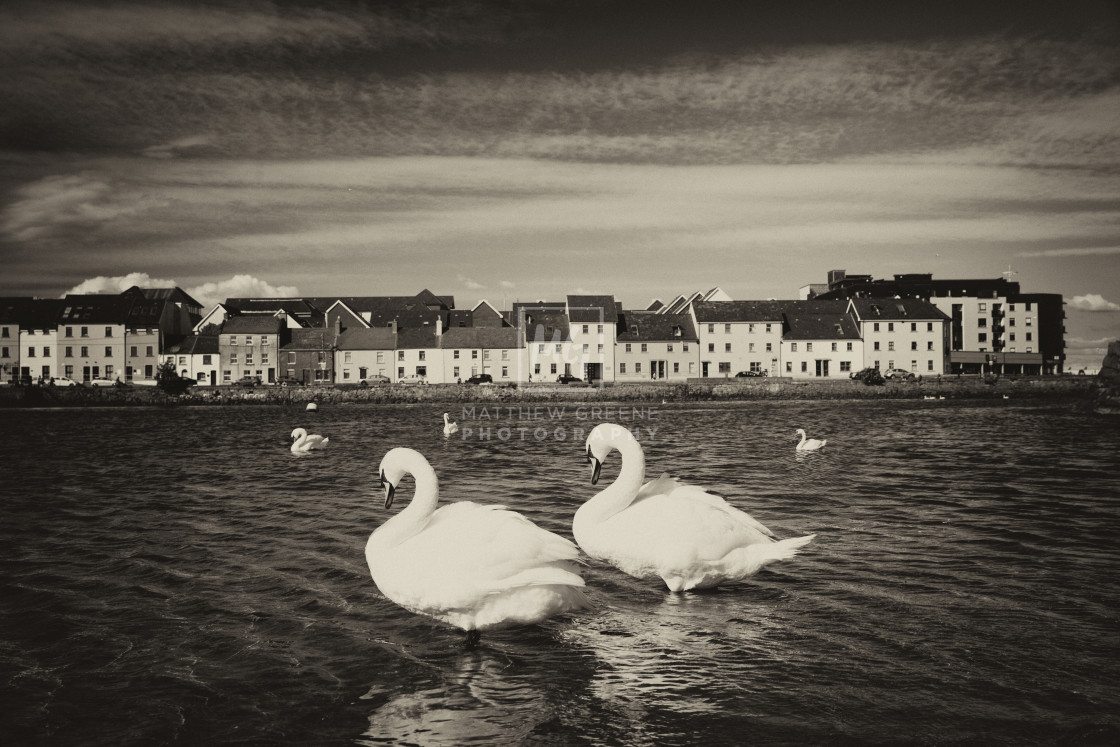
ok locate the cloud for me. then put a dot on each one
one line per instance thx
(55, 205)
(102, 284)
(239, 286)
(506, 284)
(1092, 302)
(471, 284)
(1088, 251)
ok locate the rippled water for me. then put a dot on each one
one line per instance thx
(178, 576)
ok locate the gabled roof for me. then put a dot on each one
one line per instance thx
(417, 338)
(480, 337)
(95, 308)
(14, 308)
(655, 305)
(196, 345)
(546, 326)
(819, 320)
(40, 313)
(896, 309)
(374, 338)
(252, 325)
(647, 326)
(310, 339)
(460, 318)
(593, 309)
(739, 311)
(174, 295)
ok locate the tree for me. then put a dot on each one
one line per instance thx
(169, 380)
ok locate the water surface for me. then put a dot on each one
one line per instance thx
(177, 576)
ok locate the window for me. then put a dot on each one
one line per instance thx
(875, 327)
(845, 365)
(684, 346)
(422, 356)
(380, 358)
(645, 347)
(505, 372)
(69, 331)
(849, 347)
(600, 329)
(725, 367)
(248, 357)
(1028, 321)
(834, 347)
(4, 352)
(793, 347)
(206, 360)
(929, 345)
(600, 347)
(537, 368)
(585, 329)
(558, 347)
(628, 347)
(1030, 336)
(876, 345)
(914, 345)
(505, 355)
(982, 337)
(669, 348)
(727, 347)
(586, 348)
(132, 352)
(248, 341)
(808, 347)
(767, 328)
(711, 347)
(1011, 322)
(804, 366)
(85, 351)
(982, 322)
(266, 341)
(750, 347)
(347, 357)
(930, 367)
(727, 329)
(151, 351)
(474, 355)
(890, 345)
(182, 360)
(789, 366)
(108, 351)
(31, 352)
(455, 355)
(485, 355)
(232, 339)
(913, 326)
(929, 326)
(233, 359)
(676, 367)
(750, 329)
(85, 331)
(540, 348)
(108, 331)
(400, 355)
(637, 367)
(553, 367)
(711, 329)
(69, 352)
(983, 307)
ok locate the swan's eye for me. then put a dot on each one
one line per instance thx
(589, 455)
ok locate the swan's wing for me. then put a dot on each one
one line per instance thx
(489, 546)
(675, 490)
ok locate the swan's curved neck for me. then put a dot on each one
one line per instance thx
(624, 489)
(416, 514)
(803, 439)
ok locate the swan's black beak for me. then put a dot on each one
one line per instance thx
(596, 465)
(390, 490)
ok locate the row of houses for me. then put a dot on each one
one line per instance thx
(828, 333)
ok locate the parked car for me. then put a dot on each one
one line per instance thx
(869, 376)
(288, 381)
(416, 379)
(899, 373)
(63, 381)
(101, 382)
(481, 379)
(748, 374)
(248, 381)
(374, 380)
(569, 379)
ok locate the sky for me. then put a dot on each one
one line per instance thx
(529, 149)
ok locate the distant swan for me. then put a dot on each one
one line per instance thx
(449, 426)
(809, 444)
(477, 567)
(682, 534)
(304, 442)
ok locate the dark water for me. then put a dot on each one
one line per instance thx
(179, 577)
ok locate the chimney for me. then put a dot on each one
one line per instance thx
(393, 327)
(439, 326)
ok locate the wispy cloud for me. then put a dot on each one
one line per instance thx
(1088, 251)
(469, 283)
(1092, 302)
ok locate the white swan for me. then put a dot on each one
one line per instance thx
(304, 442)
(809, 444)
(449, 426)
(682, 534)
(477, 567)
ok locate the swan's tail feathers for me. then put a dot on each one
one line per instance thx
(760, 555)
(323, 445)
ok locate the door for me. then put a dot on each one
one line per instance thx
(822, 367)
(213, 378)
(704, 369)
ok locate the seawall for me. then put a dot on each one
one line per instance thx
(1051, 387)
